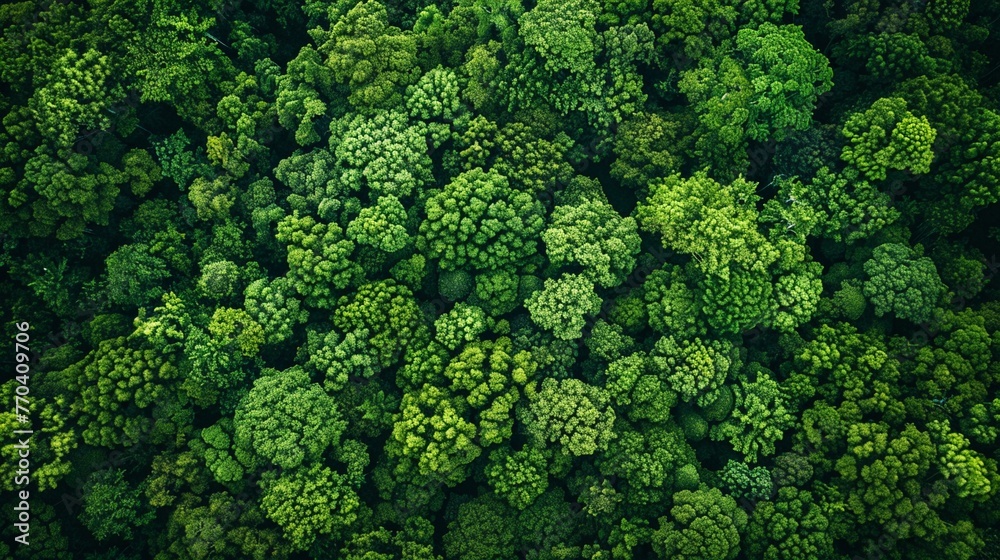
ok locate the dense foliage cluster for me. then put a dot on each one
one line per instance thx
(498, 279)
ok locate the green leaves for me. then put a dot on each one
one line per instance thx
(67, 193)
(972, 474)
(317, 258)
(111, 507)
(792, 527)
(271, 304)
(887, 136)
(693, 367)
(519, 476)
(758, 420)
(702, 524)
(375, 59)
(714, 223)
(478, 220)
(434, 96)
(72, 99)
(309, 502)
(573, 414)
(385, 154)
(287, 419)
(767, 88)
(482, 531)
(562, 306)
(494, 279)
(787, 75)
(464, 323)
(902, 282)
(593, 236)
(432, 433)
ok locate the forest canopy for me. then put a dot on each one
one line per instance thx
(500, 279)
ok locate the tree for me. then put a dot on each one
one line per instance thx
(481, 531)
(382, 226)
(287, 419)
(758, 420)
(594, 237)
(464, 323)
(412, 542)
(571, 413)
(118, 380)
(489, 375)
(135, 277)
(892, 55)
(845, 210)
(211, 367)
(903, 282)
(67, 192)
(566, 63)
(309, 502)
(950, 372)
(787, 75)
(341, 359)
(694, 368)
(647, 146)
(672, 306)
(454, 285)
(172, 62)
(972, 474)
(564, 303)
(888, 136)
(72, 98)
(227, 459)
(881, 468)
(311, 177)
(434, 96)
(389, 312)
(317, 258)
(111, 507)
(430, 431)
(520, 477)
(702, 524)
(271, 303)
(737, 299)
(640, 389)
(791, 527)
(744, 483)
(496, 291)
(51, 443)
(843, 365)
(180, 164)
(212, 198)
(769, 87)
(715, 224)
(608, 341)
(219, 279)
(385, 154)
(479, 221)
(376, 60)
(549, 526)
(648, 461)
(300, 93)
(798, 287)
(533, 158)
